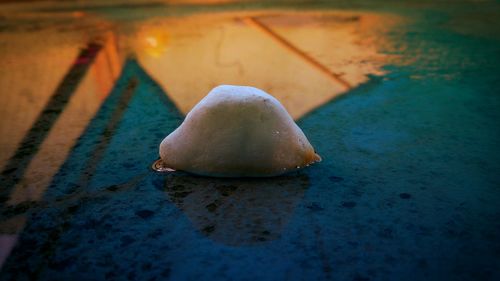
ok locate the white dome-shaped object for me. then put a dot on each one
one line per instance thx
(237, 131)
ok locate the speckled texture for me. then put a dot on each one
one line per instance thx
(408, 188)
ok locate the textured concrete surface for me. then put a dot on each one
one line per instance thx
(408, 188)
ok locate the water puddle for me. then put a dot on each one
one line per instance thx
(159, 166)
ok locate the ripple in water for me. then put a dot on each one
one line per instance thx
(158, 166)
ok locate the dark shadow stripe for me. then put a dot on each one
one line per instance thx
(17, 164)
(107, 135)
(98, 152)
(94, 142)
(81, 165)
(92, 146)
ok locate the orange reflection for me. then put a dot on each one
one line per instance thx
(107, 66)
(287, 45)
(152, 41)
(82, 106)
(210, 2)
(281, 56)
(22, 101)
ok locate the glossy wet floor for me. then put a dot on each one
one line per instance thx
(408, 187)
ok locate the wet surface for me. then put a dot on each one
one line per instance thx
(400, 100)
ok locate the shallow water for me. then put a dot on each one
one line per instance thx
(408, 185)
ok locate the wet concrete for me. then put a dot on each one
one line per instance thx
(408, 186)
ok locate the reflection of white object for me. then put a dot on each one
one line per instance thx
(237, 131)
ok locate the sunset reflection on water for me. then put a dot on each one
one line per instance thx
(188, 56)
(304, 59)
(208, 50)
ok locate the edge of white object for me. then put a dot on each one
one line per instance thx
(237, 131)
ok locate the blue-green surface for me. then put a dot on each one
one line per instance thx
(408, 188)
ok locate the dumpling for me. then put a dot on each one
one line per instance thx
(237, 131)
